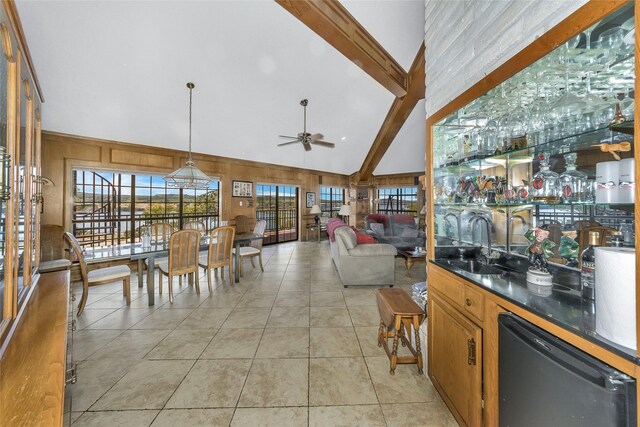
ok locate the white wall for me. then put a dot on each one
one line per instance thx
(465, 40)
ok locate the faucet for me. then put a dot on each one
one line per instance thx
(458, 222)
(471, 227)
(522, 220)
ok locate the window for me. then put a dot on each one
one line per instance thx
(331, 199)
(398, 200)
(278, 205)
(109, 208)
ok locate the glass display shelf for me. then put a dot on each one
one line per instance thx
(587, 140)
(533, 204)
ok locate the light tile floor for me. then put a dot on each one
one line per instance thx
(287, 347)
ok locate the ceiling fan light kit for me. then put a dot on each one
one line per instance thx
(306, 138)
(189, 176)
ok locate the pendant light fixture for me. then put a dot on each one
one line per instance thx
(189, 176)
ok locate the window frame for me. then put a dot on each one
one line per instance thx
(141, 188)
(331, 200)
(400, 198)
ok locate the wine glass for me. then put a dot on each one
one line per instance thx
(611, 40)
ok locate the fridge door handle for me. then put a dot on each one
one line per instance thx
(471, 351)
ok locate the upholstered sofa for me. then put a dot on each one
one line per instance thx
(399, 230)
(362, 265)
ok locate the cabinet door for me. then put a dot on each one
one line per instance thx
(455, 360)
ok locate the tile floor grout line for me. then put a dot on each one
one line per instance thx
(252, 283)
(309, 371)
(235, 409)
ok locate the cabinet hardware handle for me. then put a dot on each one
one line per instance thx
(73, 297)
(72, 374)
(471, 351)
(468, 302)
(73, 325)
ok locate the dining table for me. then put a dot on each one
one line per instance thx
(159, 249)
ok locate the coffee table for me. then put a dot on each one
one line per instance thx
(410, 257)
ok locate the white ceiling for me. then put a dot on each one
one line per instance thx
(118, 71)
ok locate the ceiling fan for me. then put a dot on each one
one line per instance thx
(306, 138)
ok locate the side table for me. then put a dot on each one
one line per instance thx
(398, 313)
(315, 227)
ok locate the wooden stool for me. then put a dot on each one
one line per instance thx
(398, 312)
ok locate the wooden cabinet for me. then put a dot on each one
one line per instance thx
(455, 360)
(33, 321)
(460, 310)
(20, 194)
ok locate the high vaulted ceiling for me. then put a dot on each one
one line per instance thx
(118, 71)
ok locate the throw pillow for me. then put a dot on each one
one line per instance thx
(377, 228)
(410, 232)
(365, 239)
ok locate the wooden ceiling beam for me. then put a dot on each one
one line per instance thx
(397, 115)
(331, 21)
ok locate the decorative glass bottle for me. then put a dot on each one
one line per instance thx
(573, 182)
(545, 184)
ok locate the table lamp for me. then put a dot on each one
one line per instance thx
(345, 210)
(315, 209)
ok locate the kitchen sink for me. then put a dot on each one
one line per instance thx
(474, 266)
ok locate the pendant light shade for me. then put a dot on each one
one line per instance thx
(189, 176)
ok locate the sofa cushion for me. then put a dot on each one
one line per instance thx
(377, 228)
(378, 218)
(347, 236)
(410, 232)
(373, 250)
(363, 239)
(402, 219)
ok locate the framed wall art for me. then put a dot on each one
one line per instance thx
(311, 199)
(242, 189)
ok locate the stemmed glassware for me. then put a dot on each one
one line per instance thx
(589, 77)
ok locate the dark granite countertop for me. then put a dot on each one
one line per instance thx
(564, 307)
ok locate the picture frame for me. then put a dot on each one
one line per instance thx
(241, 188)
(311, 199)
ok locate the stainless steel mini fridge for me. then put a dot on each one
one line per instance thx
(544, 381)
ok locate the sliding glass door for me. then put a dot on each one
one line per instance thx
(278, 205)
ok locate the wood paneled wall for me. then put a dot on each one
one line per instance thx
(61, 153)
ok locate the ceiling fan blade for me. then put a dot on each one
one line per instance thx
(324, 143)
(307, 146)
(289, 142)
(316, 136)
(287, 136)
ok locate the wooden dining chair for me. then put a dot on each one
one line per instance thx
(160, 231)
(254, 249)
(242, 224)
(195, 225)
(184, 247)
(219, 253)
(99, 276)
